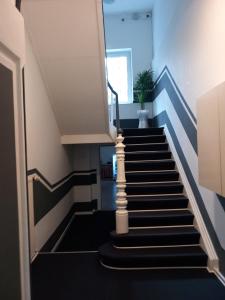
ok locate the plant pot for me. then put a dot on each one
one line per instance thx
(143, 118)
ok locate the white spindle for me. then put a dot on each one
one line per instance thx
(121, 200)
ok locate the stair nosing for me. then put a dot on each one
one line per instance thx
(146, 195)
(143, 136)
(148, 151)
(171, 253)
(157, 246)
(163, 226)
(154, 182)
(152, 171)
(150, 210)
(170, 210)
(164, 143)
(152, 268)
(149, 160)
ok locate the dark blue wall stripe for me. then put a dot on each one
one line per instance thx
(181, 96)
(159, 121)
(162, 119)
(165, 83)
(222, 201)
(36, 172)
(45, 200)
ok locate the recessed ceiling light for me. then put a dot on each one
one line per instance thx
(109, 1)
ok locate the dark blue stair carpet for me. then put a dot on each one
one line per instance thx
(147, 147)
(191, 256)
(156, 237)
(146, 155)
(152, 176)
(157, 202)
(160, 218)
(167, 164)
(144, 139)
(154, 188)
(142, 131)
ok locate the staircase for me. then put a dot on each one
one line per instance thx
(161, 229)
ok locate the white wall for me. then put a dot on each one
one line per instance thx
(189, 39)
(131, 34)
(44, 150)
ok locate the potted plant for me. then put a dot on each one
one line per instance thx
(143, 87)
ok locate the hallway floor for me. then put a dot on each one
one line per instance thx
(86, 232)
(68, 275)
(64, 276)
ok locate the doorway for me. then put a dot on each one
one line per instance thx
(108, 177)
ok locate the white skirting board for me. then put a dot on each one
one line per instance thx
(220, 277)
(206, 243)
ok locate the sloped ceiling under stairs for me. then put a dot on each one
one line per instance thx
(68, 41)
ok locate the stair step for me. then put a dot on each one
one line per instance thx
(147, 155)
(161, 232)
(142, 131)
(152, 176)
(167, 164)
(154, 188)
(157, 202)
(173, 257)
(156, 237)
(144, 139)
(160, 218)
(146, 147)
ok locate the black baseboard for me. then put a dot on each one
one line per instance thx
(58, 232)
(45, 200)
(76, 207)
(85, 206)
(131, 123)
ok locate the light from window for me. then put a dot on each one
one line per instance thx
(119, 69)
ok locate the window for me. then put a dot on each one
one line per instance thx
(119, 66)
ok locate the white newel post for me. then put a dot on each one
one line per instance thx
(121, 196)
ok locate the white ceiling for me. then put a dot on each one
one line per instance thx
(128, 6)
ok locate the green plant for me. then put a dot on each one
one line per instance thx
(143, 87)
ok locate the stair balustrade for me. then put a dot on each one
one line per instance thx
(121, 196)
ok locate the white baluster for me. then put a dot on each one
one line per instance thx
(121, 200)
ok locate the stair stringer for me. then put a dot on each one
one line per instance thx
(205, 242)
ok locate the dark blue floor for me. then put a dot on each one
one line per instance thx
(88, 232)
(81, 277)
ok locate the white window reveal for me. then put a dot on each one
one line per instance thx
(120, 73)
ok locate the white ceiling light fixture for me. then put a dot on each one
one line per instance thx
(128, 6)
(109, 1)
(136, 16)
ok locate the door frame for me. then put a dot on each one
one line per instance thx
(12, 56)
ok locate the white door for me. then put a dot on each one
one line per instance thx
(14, 254)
